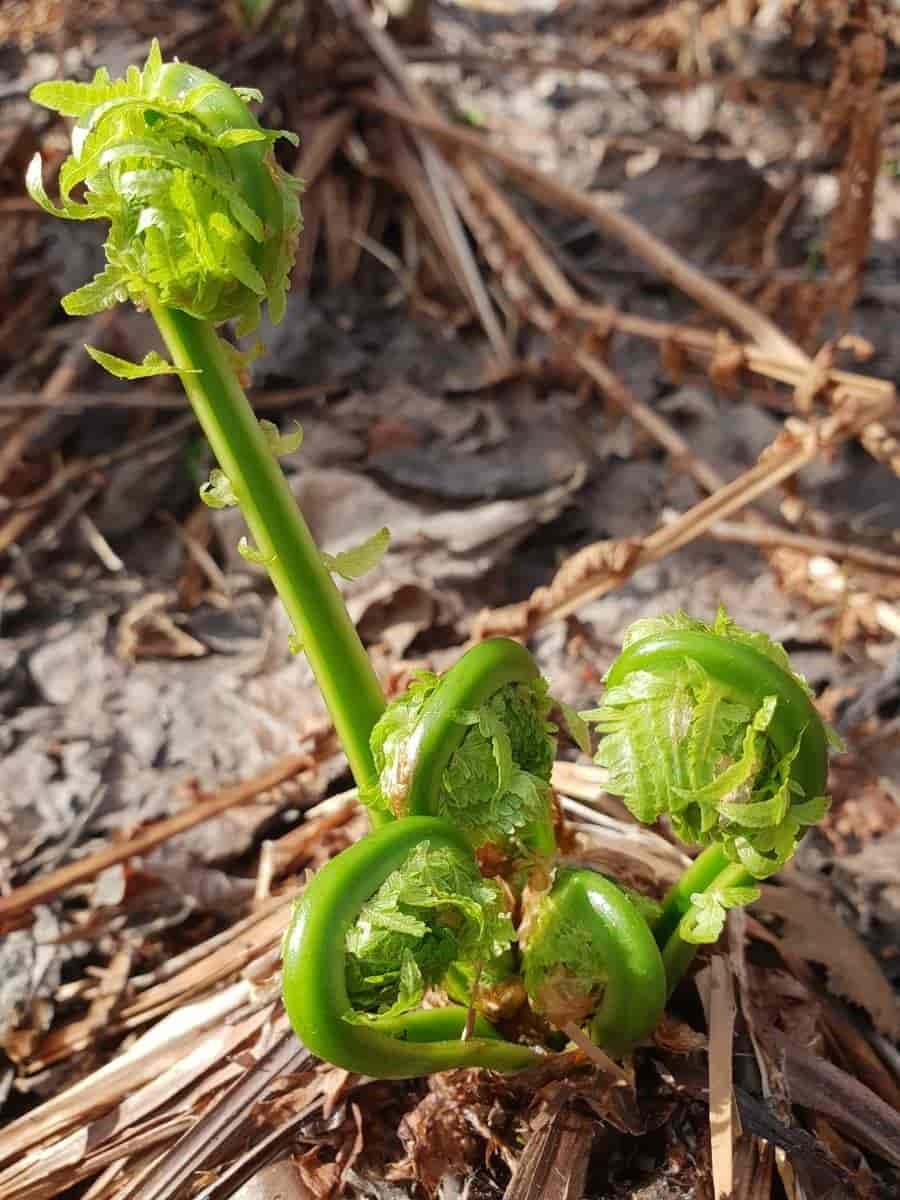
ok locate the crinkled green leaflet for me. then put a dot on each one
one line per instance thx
(315, 974)
(434, 912)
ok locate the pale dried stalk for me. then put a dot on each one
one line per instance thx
(770, 352)
(232, 1111)
(510, 247)
(770, 538)
(519, 245)
(717, 989)
(224, 962)
(435, 166)
(320, 145)
(519, 291)
(670, 265)
(602, 566)
(60, 382)
(157, 1050)
(164, 1096)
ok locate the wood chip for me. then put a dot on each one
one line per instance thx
(554, 1163)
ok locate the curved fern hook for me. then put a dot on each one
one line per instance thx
(439, 740)
(588, 953)
(474, 747)
(315, 970)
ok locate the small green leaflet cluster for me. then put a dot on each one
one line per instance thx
(393, 745)
(151, 364)
(704, 921)
(686, 745)
(496, 786)
(218, 492)
(168, 156)
(431, 914)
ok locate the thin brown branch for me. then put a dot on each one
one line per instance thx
(667, 262)
(21, 900)
(771, 537)
(602, 566)
(138, 397)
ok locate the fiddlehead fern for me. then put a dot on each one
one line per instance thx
(202, 229)
(704, 723)
(379, 923)
(201, 216)
(709, 725)
(588, 956)
(474, 750)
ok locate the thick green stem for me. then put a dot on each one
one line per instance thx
(338, 659)
(711, 869)
(697, 878)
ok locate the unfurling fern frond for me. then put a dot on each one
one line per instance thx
(201, 216)
(709, 725)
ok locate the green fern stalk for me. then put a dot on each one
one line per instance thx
(285, 545)
(203, 226)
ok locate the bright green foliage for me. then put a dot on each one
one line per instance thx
(575, 725)
(358, 560)
(250, 553)
(432, 913)
(201, 216)
(685, 744)
(705, 919)
(496, 785)
(151, 364)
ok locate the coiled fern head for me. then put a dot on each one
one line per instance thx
(708, 724)
(201, 216)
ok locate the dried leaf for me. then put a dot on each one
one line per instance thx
(812, 931)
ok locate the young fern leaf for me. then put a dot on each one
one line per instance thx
(251, 554)
(282, 443)
(389, 917)
(575, 726)
(359, 560)
(704, 921)
(475, 748)
(217, 492)
(151, 365)
(432, 913)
